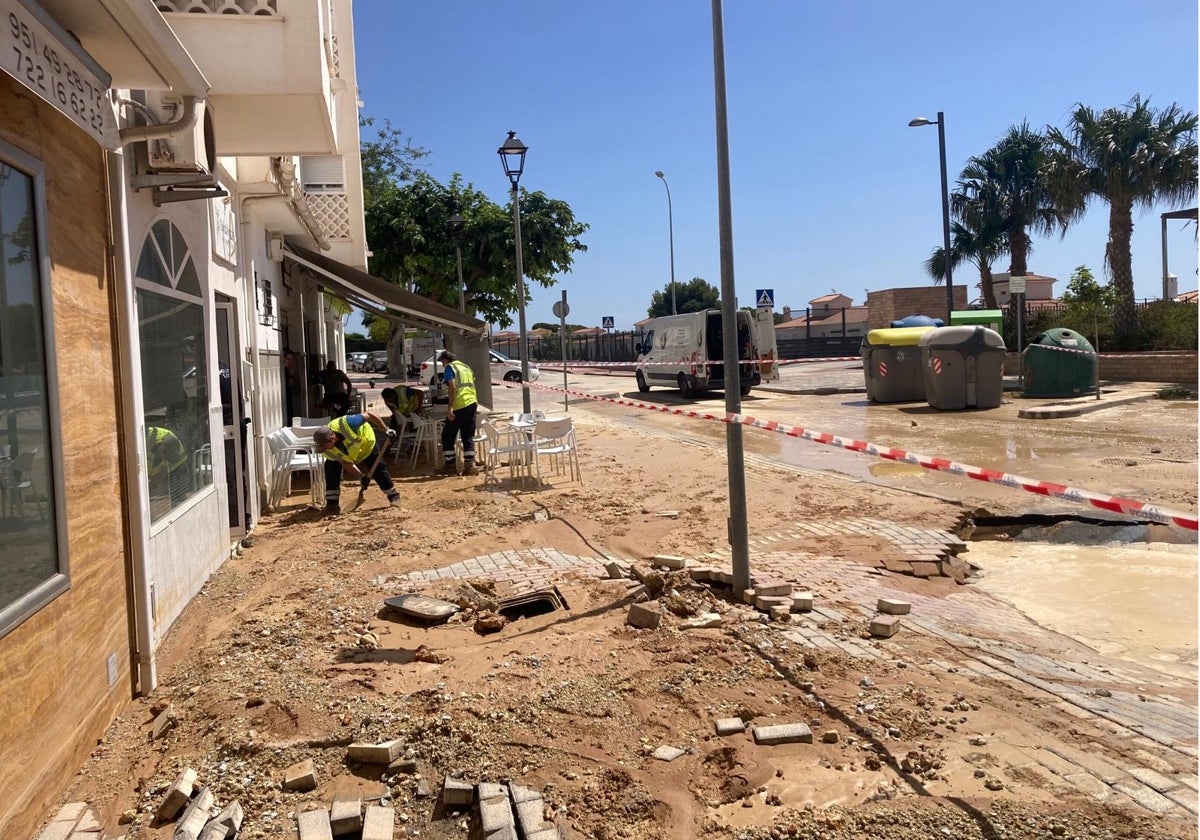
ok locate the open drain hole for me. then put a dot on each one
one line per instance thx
(1070, 529)
(531, 604)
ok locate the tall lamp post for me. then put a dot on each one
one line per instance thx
(512, 155)
(941, 124)
(671, 235)
(456, 225)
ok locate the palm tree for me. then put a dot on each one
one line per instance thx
(979, 245)
(1129, 157)
(1004, 190)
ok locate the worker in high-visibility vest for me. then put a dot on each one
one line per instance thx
(167, 465)
(460, 414)
(349, 445)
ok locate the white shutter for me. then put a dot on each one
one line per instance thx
(322, 174)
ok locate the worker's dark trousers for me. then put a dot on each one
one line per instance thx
(462, 425)
(333, 477)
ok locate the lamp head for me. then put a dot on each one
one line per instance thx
(456, 222)
(658, 174)
(512, 155)
(921, 121)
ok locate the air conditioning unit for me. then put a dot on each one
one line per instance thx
(191, 150)
(275, 248)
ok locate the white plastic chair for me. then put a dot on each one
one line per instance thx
(514, 445)
(294, 457)
(310, 422)
(427, 434)
(556, 440)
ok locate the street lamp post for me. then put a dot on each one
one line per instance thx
(671, 236)
(456, 225)
(512, 155)
(941, 124)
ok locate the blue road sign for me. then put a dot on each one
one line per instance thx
(608, 322)
(765, 298)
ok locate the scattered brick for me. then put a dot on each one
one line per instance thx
(802, 602)
(729, 725)
(345, 817)
(384, 753)
(520, 793)
(314, 825)
(669, 561)
(885, 626)
(457, 792)
(773, 587)
(177, 796)
(785, 733)
(379, 823)
(490, 790)
(668, 753)
(496, 814)
(225, 824)
(195, 817)
(531, 816)
(300, 776)
(748, 596)
(926, 569)
(646, 616)
(782, 612)
(766, 602)
(892, 606)
(615, 570)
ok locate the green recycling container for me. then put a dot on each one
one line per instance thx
(1059, 363)
(892, 364)
(990, 318)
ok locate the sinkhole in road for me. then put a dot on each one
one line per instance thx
(1062, 529)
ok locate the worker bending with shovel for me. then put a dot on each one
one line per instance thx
(348, 443)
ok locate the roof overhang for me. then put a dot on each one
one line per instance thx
(1181, 214)
(381, 298)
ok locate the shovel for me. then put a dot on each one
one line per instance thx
(365, 482)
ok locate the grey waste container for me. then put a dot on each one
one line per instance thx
(963, 366)
(892, 364)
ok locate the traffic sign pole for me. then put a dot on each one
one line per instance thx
(562, 310)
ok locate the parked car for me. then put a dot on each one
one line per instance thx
(376, 362)
(502, 368)
(355, 361)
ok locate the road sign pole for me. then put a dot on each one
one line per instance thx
(562, 311)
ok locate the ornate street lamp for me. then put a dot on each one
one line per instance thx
(512, 155)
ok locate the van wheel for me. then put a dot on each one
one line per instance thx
(643, 385)
(685, 388)
(512, 376)
(746, 391)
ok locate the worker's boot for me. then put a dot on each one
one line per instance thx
(469, 468)
(332, 509)
(448, 468)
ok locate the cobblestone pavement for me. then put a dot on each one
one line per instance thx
(981, 636)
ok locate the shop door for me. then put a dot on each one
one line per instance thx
(233, 417)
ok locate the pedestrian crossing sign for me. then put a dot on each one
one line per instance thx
(608, 322)
(766, 298)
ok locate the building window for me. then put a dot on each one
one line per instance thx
(32, 545)
(175, 389)
(322, 174)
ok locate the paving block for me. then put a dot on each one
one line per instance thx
(669, 561)
(225, 824)
(668, 753)
(885, 626)
(748, 596)
(702, 621)
(893, 606)
(496, 814)
(765, 602)
(926, 569)
(900, 567)
(520, 793)
(87, 822)
(177, 796)
(531, 816)
(457, 792)
(507, 832)
(781, 613)
(802, 602)
(773, 588)
(615, 570)
(71, 811)
(490, 790)
(550, 833)
(195, 816)
(408, 766)
(87, 835)
(314, 825)
(300, 776)
(729, 726)
(57, 830)
(646, 616)
(384, 753)
(1153, 778)
(379, 823)
(345, 817)
(1089, 785)
(1148, 798)
(785, 733)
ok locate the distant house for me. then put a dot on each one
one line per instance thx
(828, 316)
(586, 331)
(1037, 287)
(1187, 297)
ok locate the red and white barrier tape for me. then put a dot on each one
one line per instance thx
(1061, 349)
(557, 365)
(1115, 504)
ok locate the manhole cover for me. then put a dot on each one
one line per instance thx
(1124, 462)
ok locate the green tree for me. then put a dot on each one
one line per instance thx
(412, 243)
(388, 160)
(980, 246)
(693, 296)
(1129, 156)
(1083, 289)
(1004, 190)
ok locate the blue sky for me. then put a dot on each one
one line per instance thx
(831, 189)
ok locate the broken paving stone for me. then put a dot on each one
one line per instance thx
(993, 784)
(195, 817)
(300, 776)
(378, 822)
(424, 654)
(773, 588)
(314, 825)
(490, 790)
(520, 793)
(669, 514)
(830, 736)
(408, 766)
(702, 621)
(384, 753)
(225, 824)
(669, 561)
(785, 733)
(885, 627)
(668, 753)
(615, 570)
(802, 602)
(164, 722)
(457, 792)
(177, 796)
(893, 606)
(729, 726)
(646, 616)
(781, 613)
(345, 817)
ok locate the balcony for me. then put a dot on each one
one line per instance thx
(276, 97)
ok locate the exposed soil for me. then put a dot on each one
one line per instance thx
(288, 654)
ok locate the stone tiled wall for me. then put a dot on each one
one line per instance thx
(1150, 367)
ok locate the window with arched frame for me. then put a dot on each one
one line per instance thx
(175, 388)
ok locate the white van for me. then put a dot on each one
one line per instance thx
(686, 352)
